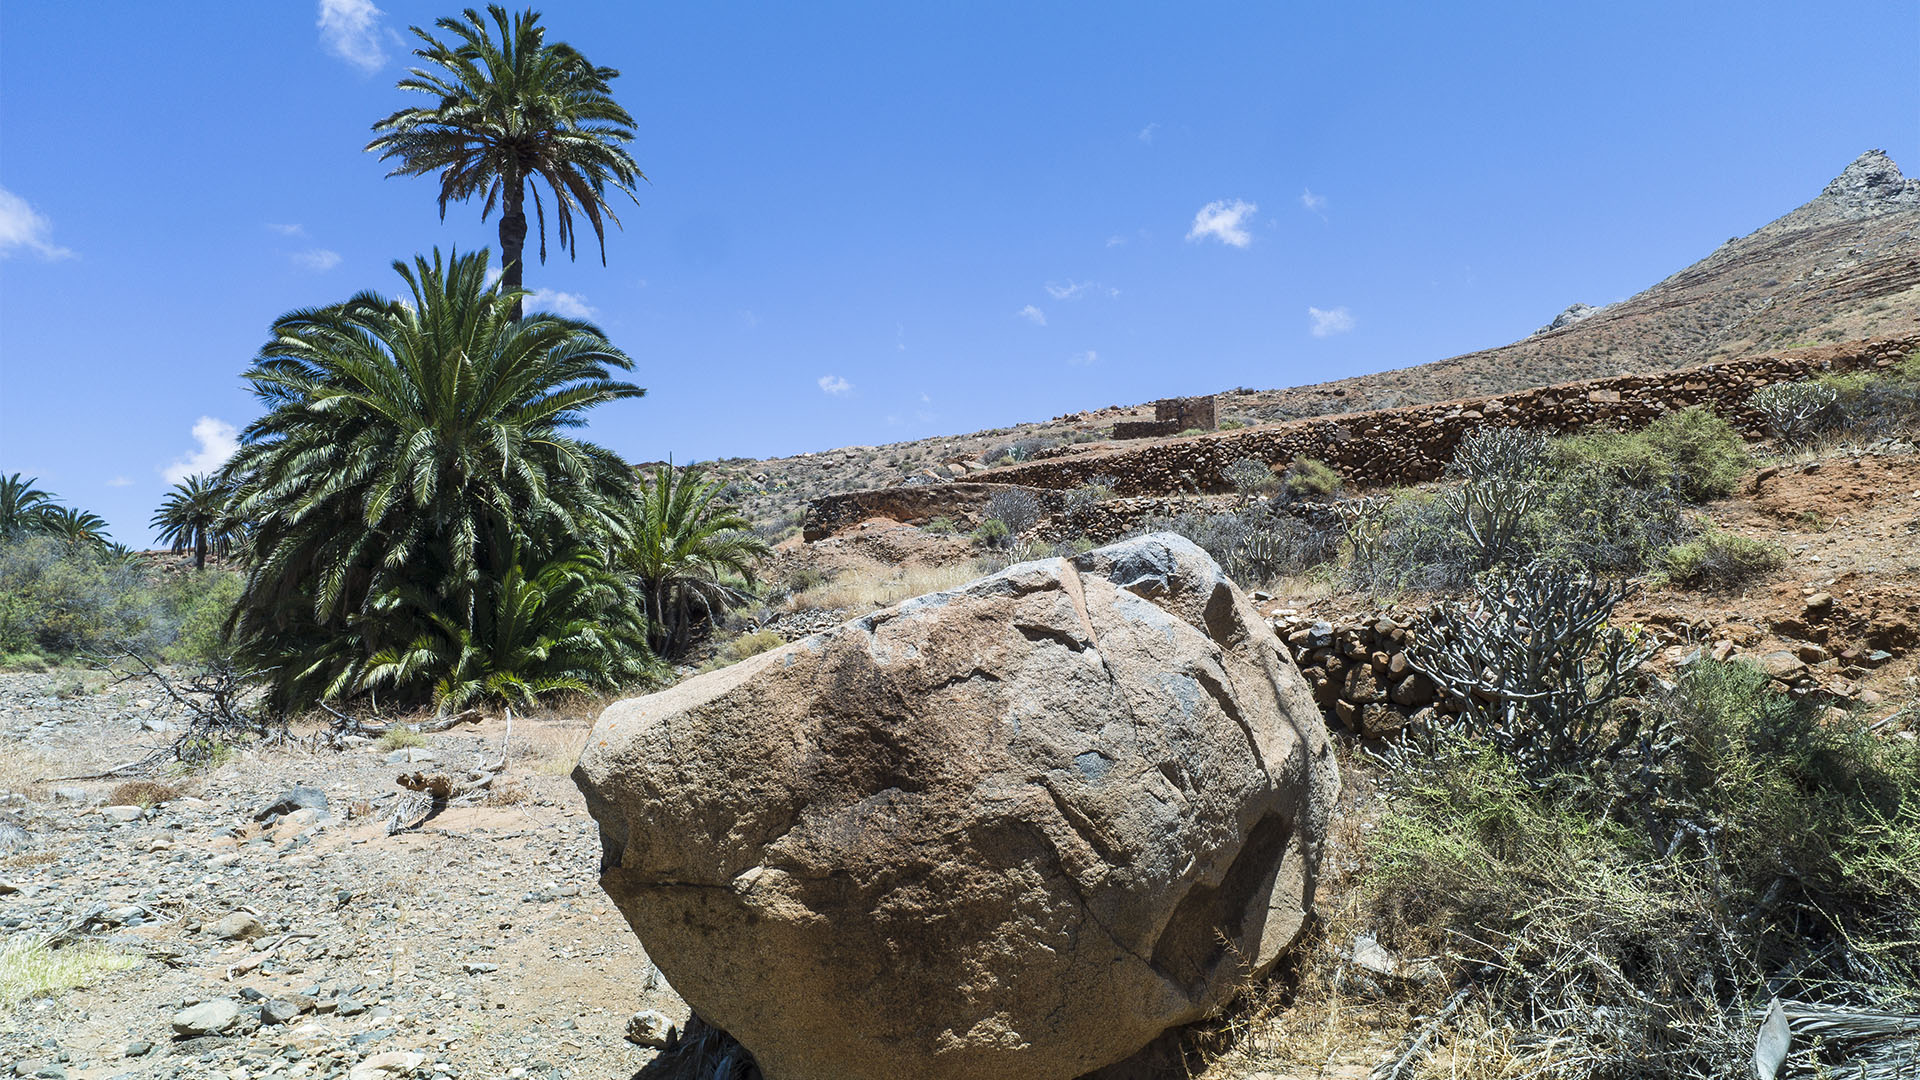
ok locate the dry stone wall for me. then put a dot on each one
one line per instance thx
(916, 504)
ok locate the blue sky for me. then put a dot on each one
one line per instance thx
(873, 222)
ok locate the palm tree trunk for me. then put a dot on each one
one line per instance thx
(200, 549)
(513, 235)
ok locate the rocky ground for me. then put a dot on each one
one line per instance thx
(273, 940)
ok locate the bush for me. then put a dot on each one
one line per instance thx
(1720, 561)
(1879, 402)
(1591, 520)
(1500, 453)
(1088, 494)
(1693, 451)
(1311, 478)
(993, 533)
(62, 599)
(941, 526)
(1535, 666)
(1250, 476)
(1797, 411)
(1257, 546)
(1016, 508)
(1741, 848)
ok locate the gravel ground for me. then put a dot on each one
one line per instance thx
(478, 941)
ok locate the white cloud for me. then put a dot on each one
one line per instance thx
(1146, 133)
(1033, 315)
(564, 304)
(319, 260)
(288, 230)
(350, 30)
(1224, 220)
(218, 440)
(1074, 290)
(1116, 241)
(835, 386)
(21, 226)
(120, 481)
(1084, 359)
(1312, 202)
(1328, 323)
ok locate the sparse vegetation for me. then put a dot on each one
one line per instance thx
(1720, 561)
(31, 967)
(1311, 478)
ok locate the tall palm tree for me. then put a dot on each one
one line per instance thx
(23, 507)
(685, 543)
(74, 526)
(507, 113)
(197, 515)
(409, 449)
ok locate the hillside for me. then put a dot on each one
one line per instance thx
(1844, 266)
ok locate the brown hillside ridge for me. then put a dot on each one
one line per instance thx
(1845, 266)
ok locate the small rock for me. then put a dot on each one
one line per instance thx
(298, 798)
(387, 1066)
(278, 1011)
(649, 1027)
(238, 926)
(207, 1018)
(408, 755)
(138, 1049)
(122, 813)
(479, 968)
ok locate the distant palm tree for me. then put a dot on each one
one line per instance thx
(507, 113)
(23, 507)
(197, 515)
(410, 450)
(685, 543)
(75, 526)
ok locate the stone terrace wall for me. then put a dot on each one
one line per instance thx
(1413, 444)
(915, 505)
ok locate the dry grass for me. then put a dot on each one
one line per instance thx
(858, 590)
(145, 794)
(23, 771)
(29, 969)
(400, 737)
(553, 749)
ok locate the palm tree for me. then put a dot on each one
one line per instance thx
(505, 114)
(74, 526)
(23, 507)
(570, 626)
(195, 515)
(410, 449)
(684, 545)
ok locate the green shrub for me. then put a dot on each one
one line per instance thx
(1745, 847)
(1311, 478)
(1693, 451)
(61, 599)
(1879, 402)
(1720, 561)
(941, 526)
(202, 602)
(752, 644)
(993, 533)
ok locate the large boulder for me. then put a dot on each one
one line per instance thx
(1008, 832)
